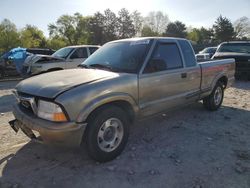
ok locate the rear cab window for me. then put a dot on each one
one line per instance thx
(188, 53)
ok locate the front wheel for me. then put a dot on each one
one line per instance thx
(107, 133)
(215, 99)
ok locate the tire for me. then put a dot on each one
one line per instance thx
(1, 73)
(215, 99)
(107, 133)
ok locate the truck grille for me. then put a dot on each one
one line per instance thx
(27, 102)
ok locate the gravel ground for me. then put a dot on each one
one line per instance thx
(190, 147)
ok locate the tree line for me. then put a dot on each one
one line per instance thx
(106, 26)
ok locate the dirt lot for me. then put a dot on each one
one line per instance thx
(190, 147)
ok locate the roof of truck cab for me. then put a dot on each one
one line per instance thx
(247, 41)
(147, 38)
(80, 46)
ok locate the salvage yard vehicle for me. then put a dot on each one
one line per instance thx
(12, 61)
(206, 53)
(65, 58)
(122, 81)
(240, 51)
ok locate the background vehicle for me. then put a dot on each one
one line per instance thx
(11, 62)
(123, 80)
(240, 51)
(206, 53)
(65, 58)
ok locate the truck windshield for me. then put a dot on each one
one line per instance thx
(123, 56)
(63, 52)
(235, 47)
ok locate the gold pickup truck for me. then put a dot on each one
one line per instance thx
(123, 80)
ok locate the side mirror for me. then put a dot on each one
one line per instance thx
(158, 64)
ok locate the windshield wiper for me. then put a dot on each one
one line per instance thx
(101, 66)
(83, 66)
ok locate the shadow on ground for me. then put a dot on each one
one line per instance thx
(186, 148)
(5, 85)
(242, 85)
(6, 103)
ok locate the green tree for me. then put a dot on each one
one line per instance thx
(201, 36)
(110, 24)
(223, 29)
(126, 29)
(194, 35)
(82, 30)
(176, 29)
(96, 28)
(56, 43)
(72, 29)
(103, 27)
(9, 36)
(65, 27)
(148, 32)
(32, 37)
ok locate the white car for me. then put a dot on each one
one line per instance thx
(206, 53)
(65, 58)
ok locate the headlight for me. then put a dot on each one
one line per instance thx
(50, 111)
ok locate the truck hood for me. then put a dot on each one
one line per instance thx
(50, 85)
(41, 59)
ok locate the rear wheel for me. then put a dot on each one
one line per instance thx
(215, 99)
(107, 133)
(1, 73)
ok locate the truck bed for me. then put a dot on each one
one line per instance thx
(213, 69)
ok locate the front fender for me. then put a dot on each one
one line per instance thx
(109, 98)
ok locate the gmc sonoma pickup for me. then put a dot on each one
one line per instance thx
(123, 80)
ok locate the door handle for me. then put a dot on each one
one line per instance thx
(184, 75)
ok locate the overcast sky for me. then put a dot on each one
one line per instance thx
(195, 13)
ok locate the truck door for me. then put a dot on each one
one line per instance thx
(76, 58)
(163, 82)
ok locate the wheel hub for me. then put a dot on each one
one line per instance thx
(218, 96)
(110, 134)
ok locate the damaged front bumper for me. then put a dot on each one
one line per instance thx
(43, 131)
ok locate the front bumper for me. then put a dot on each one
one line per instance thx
(64, 134)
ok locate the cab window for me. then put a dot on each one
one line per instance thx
(187, 53)
(79, 53)
(165, 57)
(92, 50)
